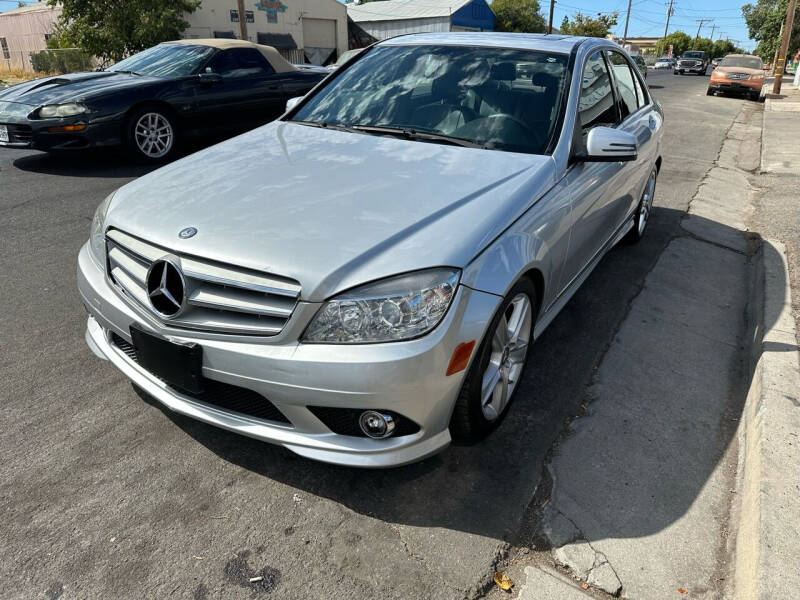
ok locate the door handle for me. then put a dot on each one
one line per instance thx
(652, 122)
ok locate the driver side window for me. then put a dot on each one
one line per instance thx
(596, 105)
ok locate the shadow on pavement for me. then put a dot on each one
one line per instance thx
(485, 488)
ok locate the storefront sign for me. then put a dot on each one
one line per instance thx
(272, 8)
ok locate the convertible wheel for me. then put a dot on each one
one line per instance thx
(644, 209)
(497, 367)
(152, 135)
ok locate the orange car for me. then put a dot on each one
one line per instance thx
(738, 74)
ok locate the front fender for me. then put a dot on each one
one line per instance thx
(537, 241)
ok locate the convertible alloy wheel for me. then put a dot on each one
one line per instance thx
(153, 135)
(497, 367)
(644, 209)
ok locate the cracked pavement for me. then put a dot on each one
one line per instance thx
(107, 495)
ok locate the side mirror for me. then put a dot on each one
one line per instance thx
(292, 102)
(209, 78)
(606, 144)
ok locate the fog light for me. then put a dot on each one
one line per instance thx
(376, 425)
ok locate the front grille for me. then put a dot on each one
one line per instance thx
(219, 298)
(219, 394)
(344, 421)
(738, 76)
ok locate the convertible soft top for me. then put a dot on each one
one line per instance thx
(280, 64)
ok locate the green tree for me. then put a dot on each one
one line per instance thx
(114, 30)
(521, 16)
(589, 26)
(723, 47)
(704, 44)
(680, 41)
(764, 20)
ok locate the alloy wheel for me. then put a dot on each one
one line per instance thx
(154, 135)
(647, 202)
(508, 351)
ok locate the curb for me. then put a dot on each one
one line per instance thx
(767, 551)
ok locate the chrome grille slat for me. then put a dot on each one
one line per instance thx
(219, 298)
(233, 299)
(134, 268)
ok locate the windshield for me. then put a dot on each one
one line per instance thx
(745, 62)
(692, 55)
(165, 60)
(490, 97)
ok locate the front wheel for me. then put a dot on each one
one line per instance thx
(709, 92)
(497, 367)
(642, 214)
(152, 134)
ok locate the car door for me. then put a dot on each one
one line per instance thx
(598, 188)
(639, 119)
(248, 92)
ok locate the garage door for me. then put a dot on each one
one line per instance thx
(319, 39)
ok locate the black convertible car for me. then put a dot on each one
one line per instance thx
(150, 100)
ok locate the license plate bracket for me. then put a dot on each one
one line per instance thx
(4, 133)
(178, 365)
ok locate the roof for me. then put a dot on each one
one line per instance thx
(280, 64)
(396, 10)
(34, 7)
(494, 39)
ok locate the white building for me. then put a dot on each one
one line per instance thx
(395, 17)
(302, 30)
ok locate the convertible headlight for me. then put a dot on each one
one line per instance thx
(97, 237)
(393, 309)
(62, 110)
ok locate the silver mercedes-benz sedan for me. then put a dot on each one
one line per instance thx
(360, 280)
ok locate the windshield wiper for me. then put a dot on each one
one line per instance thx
(413, 134)
(324, 125)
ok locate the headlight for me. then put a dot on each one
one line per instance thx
(757, 77)
(97, 237)
(393, 309)
(62, 110)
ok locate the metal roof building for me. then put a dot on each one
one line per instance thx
(395, 17)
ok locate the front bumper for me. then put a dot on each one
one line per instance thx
(405, 377)
(36, 134)
(690, 69)
(734, 86)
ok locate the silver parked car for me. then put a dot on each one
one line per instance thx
(361, 279)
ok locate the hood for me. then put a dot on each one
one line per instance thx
(740, 70)
(332, 209)
(69, 88)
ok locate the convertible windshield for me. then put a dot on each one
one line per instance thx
(165, 60)
(744, 62)
(487, 97)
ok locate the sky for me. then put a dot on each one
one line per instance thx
(648, 17)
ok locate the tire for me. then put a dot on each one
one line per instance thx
(473, 419)
(709, 92)
(151, 134)
(642, 215)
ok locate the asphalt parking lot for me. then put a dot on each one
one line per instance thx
(106, 494)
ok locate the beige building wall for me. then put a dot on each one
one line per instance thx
(310, 22)
(24, 30)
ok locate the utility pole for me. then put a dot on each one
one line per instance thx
(713, 27)
(697, 37)
(670, 10)
(787, 33)
(627, 18)
(777, 49)
(550, 20)
(242, 20)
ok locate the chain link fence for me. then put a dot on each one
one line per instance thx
(50, 61)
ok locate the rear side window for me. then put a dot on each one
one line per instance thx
(240, 62)
(596, 103)
(625, 82)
